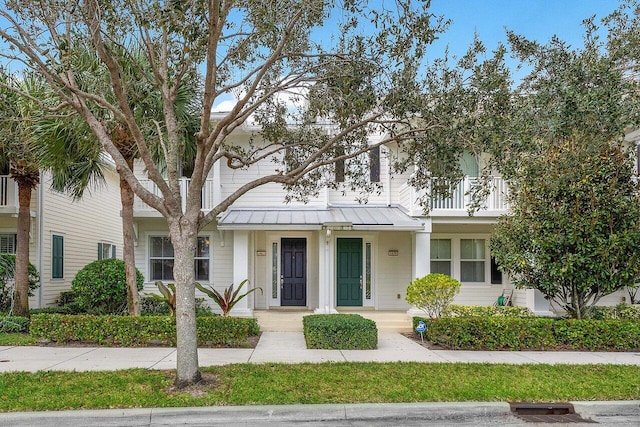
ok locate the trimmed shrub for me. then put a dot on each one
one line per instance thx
(532, 333)
(67, 302)
(52, 310)
(141, 331)
(340, 331)
(7, 270)
(101, 287)
(620, 311)
(455, 310)
(14, 324)
(150, 306)
(432, 293)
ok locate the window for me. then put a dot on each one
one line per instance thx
(441, 256)
(496, 274)
(469, 164)
(472, 260)
(57, 257)
(374, 164)
(7, 243)
(161, 259)
(106, 251)
(202, 259)
(367, 270)
(358, 162)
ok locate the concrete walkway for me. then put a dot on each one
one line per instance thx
(284, 347)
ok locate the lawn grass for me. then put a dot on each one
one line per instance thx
(254, 384)
(16, 339)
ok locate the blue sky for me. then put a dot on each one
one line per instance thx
(535, 19)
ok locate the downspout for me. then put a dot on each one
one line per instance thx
(388, 157)
(40, 236)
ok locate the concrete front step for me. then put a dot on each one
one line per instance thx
(291, 321)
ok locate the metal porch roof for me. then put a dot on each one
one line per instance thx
(346, 217)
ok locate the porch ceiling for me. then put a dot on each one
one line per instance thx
(379, 218)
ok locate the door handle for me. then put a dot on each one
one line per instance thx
(281, 281)
(360, 282)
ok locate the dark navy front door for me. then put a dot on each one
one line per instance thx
(293, 277)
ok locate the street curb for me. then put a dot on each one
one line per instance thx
(221, 415)
(272, 413)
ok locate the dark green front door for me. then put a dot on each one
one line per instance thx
(349, 268)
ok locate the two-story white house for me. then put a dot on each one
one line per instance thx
(65, 235)
(334, 253)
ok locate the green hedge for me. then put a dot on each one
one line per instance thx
(138, 331)
(340, 331)
(532, 333)
(487, 311)
(14, 324)
(620, 311)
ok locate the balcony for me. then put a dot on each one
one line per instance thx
(8, 195)
(457, 204)
(141, 209)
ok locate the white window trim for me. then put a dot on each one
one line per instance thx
(148, 235)
(112, 254)
(456, 259)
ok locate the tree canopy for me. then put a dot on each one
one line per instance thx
(574, 227)
(350, 69)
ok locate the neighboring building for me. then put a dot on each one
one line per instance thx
(65, 235)
(332, 252)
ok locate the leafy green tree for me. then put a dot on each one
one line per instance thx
(574, 227)
(346, 85)
(62, 134)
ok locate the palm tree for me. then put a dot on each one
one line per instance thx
(59, 134)
(25, 105)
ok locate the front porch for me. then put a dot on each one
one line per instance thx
(289, 320)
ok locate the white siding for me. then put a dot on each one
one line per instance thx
(393, 272)
(95, 218)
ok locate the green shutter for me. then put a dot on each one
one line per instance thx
(99, 251)
(57, 257)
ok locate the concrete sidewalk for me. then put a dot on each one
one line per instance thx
(284, 347)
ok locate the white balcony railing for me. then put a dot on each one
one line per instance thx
(8, 192)
(207, 194)
(459, 200)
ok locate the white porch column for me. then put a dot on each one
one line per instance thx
(241, 253)
(422, 251)
(326, 300)
(421, 258)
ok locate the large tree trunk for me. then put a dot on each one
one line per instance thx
(184, 237)
(129, 256)
(21, 294)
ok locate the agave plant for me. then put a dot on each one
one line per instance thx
(228, 298)
(168, 296)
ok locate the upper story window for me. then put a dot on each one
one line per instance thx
(7, 243)
(469, 164)
(472, 260)
(161, 259)
(373, 161)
